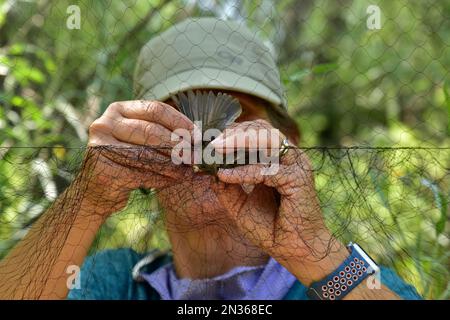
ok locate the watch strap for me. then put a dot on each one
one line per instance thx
(344, 279)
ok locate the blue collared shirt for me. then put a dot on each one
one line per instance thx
(108, 275)
(267, 282)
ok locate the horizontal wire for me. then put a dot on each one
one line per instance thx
(291, 147)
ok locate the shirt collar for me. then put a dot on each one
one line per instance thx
(267, 282)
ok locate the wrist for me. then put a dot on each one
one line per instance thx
(346, 278)
(82, 206)
(321, 259)
(318, 270)
(94, 199)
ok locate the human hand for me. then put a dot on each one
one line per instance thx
(291, 229)
(130, 147)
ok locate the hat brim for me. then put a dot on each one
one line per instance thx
(210, 78)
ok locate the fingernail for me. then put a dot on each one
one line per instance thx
(248, 188)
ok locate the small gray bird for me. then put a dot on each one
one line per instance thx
(214, 111)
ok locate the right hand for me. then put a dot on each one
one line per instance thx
(130, 147)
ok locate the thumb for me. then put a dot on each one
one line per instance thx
(230, 196)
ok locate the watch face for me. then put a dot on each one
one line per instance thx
(369, 260)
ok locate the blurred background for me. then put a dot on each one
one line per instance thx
(373, 107)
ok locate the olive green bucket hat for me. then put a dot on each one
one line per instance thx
(208, 53)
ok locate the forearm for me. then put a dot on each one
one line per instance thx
(36, 268)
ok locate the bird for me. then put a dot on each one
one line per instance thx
(215, 111)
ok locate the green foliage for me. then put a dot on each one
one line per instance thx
(346, 86)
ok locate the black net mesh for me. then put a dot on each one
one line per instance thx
(372, 103)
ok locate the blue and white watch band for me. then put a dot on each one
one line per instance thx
(357, 267)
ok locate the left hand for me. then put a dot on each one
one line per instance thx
(293, 232)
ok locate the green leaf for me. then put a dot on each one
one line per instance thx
(36, 75)
(324, 68)
(299, 75)
(17, 49)
(18, 101)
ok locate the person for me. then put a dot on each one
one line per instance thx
(240, 235)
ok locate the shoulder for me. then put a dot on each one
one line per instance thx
(107, 275)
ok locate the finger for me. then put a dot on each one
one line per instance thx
(137, 157)
(140, 132)
(252, 139)
(155, 111)
(257, 224)
(125, 175)
(296, 156)
(256, 174)
(225, 192)
(106, 139)
(249, 174)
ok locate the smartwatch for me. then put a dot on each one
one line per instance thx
(357, 267)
